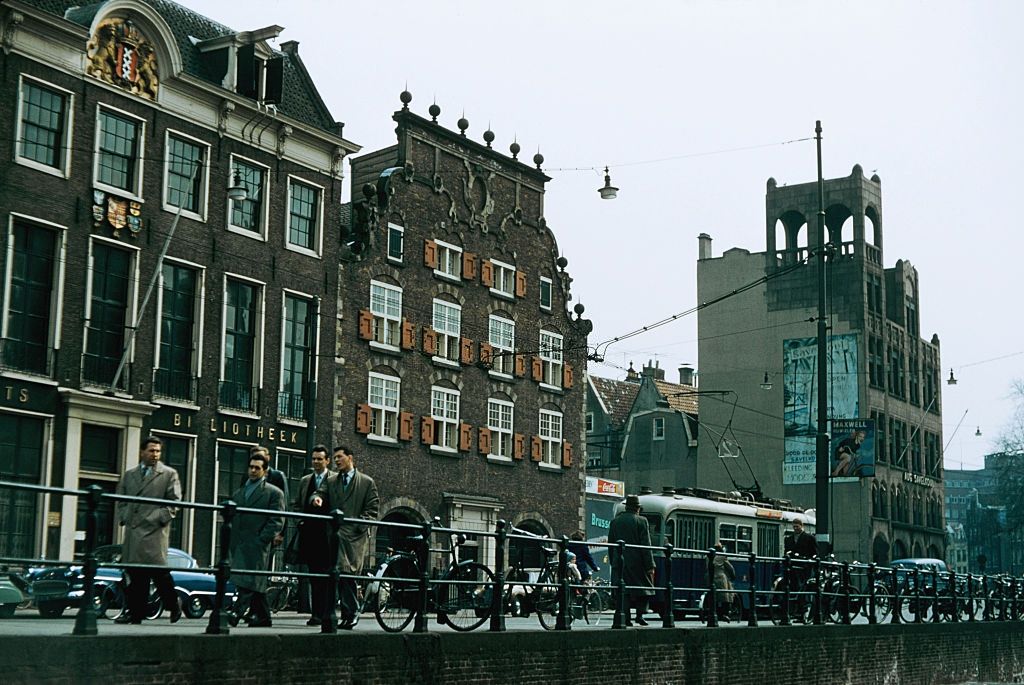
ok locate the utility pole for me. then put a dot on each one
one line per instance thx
(821, 470)
(313, 317)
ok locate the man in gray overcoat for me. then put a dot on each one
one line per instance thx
(355, 494)
(638, 566)
(147, 531)
(252, 536)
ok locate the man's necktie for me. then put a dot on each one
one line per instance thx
(145, 472)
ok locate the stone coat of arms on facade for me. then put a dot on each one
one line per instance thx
(119, 54)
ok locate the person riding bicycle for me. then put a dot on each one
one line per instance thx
(584, 561)
(801, 547)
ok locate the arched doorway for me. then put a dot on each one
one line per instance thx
(899, 550)
(527, 551)
(918, 551)
(389, 537)
(934, 552)
(880, 550)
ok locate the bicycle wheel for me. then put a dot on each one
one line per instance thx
(112, 600)
(465, 602)
(548, 600)
(909, 607)
(278, 597)
(883, 603)
(397, 596)
(595, 609)
(775, 603)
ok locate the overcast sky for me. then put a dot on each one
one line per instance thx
(925, 94)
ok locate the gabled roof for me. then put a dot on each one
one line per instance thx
(300, 99)
(616, 396)
(686, 403)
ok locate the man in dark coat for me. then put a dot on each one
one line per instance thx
(252, 536)
(148, 530)
(638, 564)
(801, 545)
(355, 494)
(313, 546)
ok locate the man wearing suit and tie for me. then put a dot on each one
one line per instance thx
(148, 531)
(252, 536)
(313, 548)
(355, 494)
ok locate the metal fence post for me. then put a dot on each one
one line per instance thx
(872, 596)
(787, 572)
(85, 620)
(918, 618)
(986, 612)
(971, 609)
(218, 624)
(712, 603)
(955, 612)
(669, 618)
(896, 600)
(847, 599)
(498, 599)
(620, 616)
(752, 613)
(329, 621)
(817, 618)
(1002, 597)
(936, 617)
(423, 558)
(562, 621)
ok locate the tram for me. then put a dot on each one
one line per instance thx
(693, 520)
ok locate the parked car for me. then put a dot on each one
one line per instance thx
(56, 588)
(10, 597)
(904, 569)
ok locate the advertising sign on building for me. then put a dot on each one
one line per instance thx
(605, 486)
(853, 450)
(800, 394)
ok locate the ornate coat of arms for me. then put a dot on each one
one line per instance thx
(119, 54)
(117, 212)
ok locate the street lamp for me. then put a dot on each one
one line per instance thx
(821, 461)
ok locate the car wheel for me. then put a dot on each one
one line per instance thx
(52, 609)
(193, 606)
(7, 610)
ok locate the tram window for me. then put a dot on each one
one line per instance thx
(767, 539)
(670, 531)
(695, 532)
(655, 524)
(736, 539)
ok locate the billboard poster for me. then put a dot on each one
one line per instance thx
(800, 398)
(853, 450)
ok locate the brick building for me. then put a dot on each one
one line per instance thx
(117, 114)
(459, 366)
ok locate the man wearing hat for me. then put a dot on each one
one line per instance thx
(638, 564)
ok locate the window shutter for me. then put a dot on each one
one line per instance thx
(469, 261)
(365, 324)
(520, 365)
(487, 273)
(520, 284)
(519, 448)
(566, 454)
(567, 376)
(466, 351)
(430, 254)
(427, 430)
(535, 448)
(484, 442)
(465, 437)
(536, 369)
(408, 335)
(486, 353)
(429, 340)
(363, 416)
(405, 425)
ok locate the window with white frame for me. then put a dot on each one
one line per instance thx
(504, 279)
(44, 130)
(551, 358)
(589, 422)
(185, 180)
(296, 368)
(179, 304)
(383, 400)
(386, 307)
(551, 436)
(249, 215)
(502, 337)
(447, 323)
(396, 242)
(444, 409)
(449, 260)
(658, 428)
(243, 328)
(31, 300)
(303, 215)
(545, 293)
(109, 313)
(118, 151)
(499, 421)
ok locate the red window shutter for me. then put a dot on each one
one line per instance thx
(520, 365)
(535, 448)
(536, 369)
(405, 425)
(469, 261)
(520, 284)
(466, 351)
(429, 340)
(566, 454)
(519, 447)
(486, 353)
(567, 376)
(465, 437)
(487, 273)
(484, 441)
(408, 335)
(427, 430)
(430, 254)
(363, 416)
(365, 324)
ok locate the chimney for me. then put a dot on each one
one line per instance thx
(685, 375)
(654, 371)
(703, 246)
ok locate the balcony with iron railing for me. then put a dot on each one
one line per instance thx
(99, 370)
(238, 396)
(27, 357)
(291, 405)
(174, 385)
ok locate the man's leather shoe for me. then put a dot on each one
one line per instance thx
(232, 618)
(261, 623)
(641, 622)
(176, 611)
(126, 618)
(313, 621)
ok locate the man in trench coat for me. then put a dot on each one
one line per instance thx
(312, 538)
(638, 565)
(147, 531)
(252, 536)
(355, 494)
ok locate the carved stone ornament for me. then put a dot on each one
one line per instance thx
(119, 54)
(116, 212)
(477, 196)
(13, 20)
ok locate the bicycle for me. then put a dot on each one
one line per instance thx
(461, 598)
(543, 596)
(282, 593)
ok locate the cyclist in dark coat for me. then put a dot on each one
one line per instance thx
(584, 561)
(638, 564)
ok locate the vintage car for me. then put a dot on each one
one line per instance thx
(55, 588)
(10, 597)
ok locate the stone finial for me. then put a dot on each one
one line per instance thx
(538, 159)
(434, 111)
(406, 98)
(514, 149)
(463, 124)
(488, 136)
